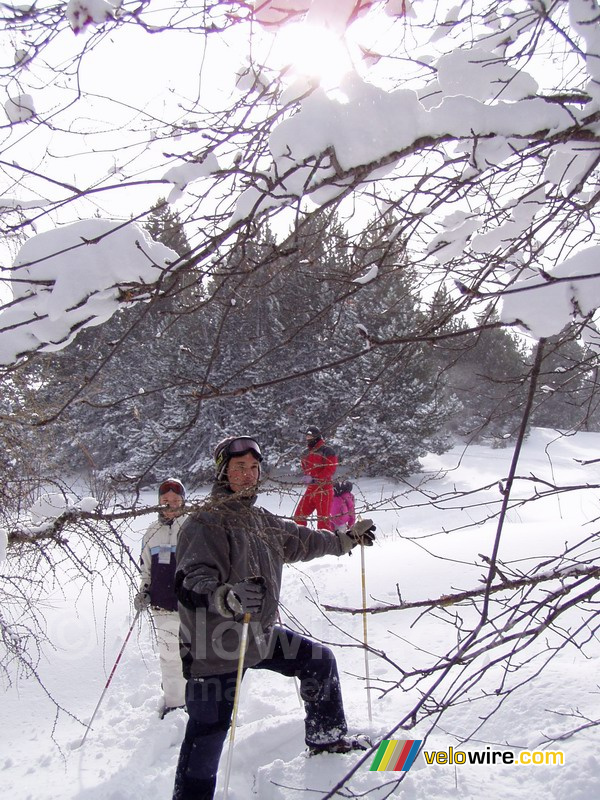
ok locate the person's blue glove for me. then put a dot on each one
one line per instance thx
(307, 479)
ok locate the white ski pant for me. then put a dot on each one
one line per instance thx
(166, 624)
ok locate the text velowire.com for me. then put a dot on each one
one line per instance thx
(395, 755)
(525, 758)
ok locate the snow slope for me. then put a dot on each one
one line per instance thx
(130, 753)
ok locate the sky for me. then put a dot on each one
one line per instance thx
(131, 753)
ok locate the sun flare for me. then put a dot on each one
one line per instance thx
(313, 52)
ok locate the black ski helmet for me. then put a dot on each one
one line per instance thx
(313, 431)
(234, 446)
(341, 487)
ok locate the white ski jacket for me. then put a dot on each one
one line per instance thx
(159, 546)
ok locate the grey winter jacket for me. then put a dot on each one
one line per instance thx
(231, 540)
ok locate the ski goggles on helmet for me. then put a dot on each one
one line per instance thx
(171, 485)
(235, 446)
(245, 444)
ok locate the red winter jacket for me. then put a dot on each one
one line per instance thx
(320, 462)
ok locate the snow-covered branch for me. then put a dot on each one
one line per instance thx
(457, 598)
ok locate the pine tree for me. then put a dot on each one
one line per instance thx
(397, 415)
(487, 372)
(267, 314)
(164, 225)
(563, 401)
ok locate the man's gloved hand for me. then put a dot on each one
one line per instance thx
(235, 600)
(307, 479)
(362, 532)
(141, 601)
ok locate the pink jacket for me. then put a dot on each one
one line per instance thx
(341, 511)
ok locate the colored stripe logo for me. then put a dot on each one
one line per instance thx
(395, 755)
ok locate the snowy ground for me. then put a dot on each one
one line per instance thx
(131, 754)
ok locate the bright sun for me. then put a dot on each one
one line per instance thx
(314, 52)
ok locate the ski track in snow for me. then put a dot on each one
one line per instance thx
(132, 754)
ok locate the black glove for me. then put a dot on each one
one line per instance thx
(363, 532)
(243, 597)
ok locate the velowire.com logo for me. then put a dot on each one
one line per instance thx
(398, 755)
(395, 755)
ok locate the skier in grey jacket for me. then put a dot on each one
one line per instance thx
(230, 558)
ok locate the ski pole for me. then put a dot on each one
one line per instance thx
(236, 701)
(112, 672)
(365, 637)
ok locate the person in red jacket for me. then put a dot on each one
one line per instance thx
(319, 464)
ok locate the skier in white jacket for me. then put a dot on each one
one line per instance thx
(157, 588)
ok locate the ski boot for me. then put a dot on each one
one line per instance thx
(347, 744)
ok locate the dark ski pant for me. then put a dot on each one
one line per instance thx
(210, 706)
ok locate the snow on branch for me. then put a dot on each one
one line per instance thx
(457, 598)
(75, 277)
(55, 524)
